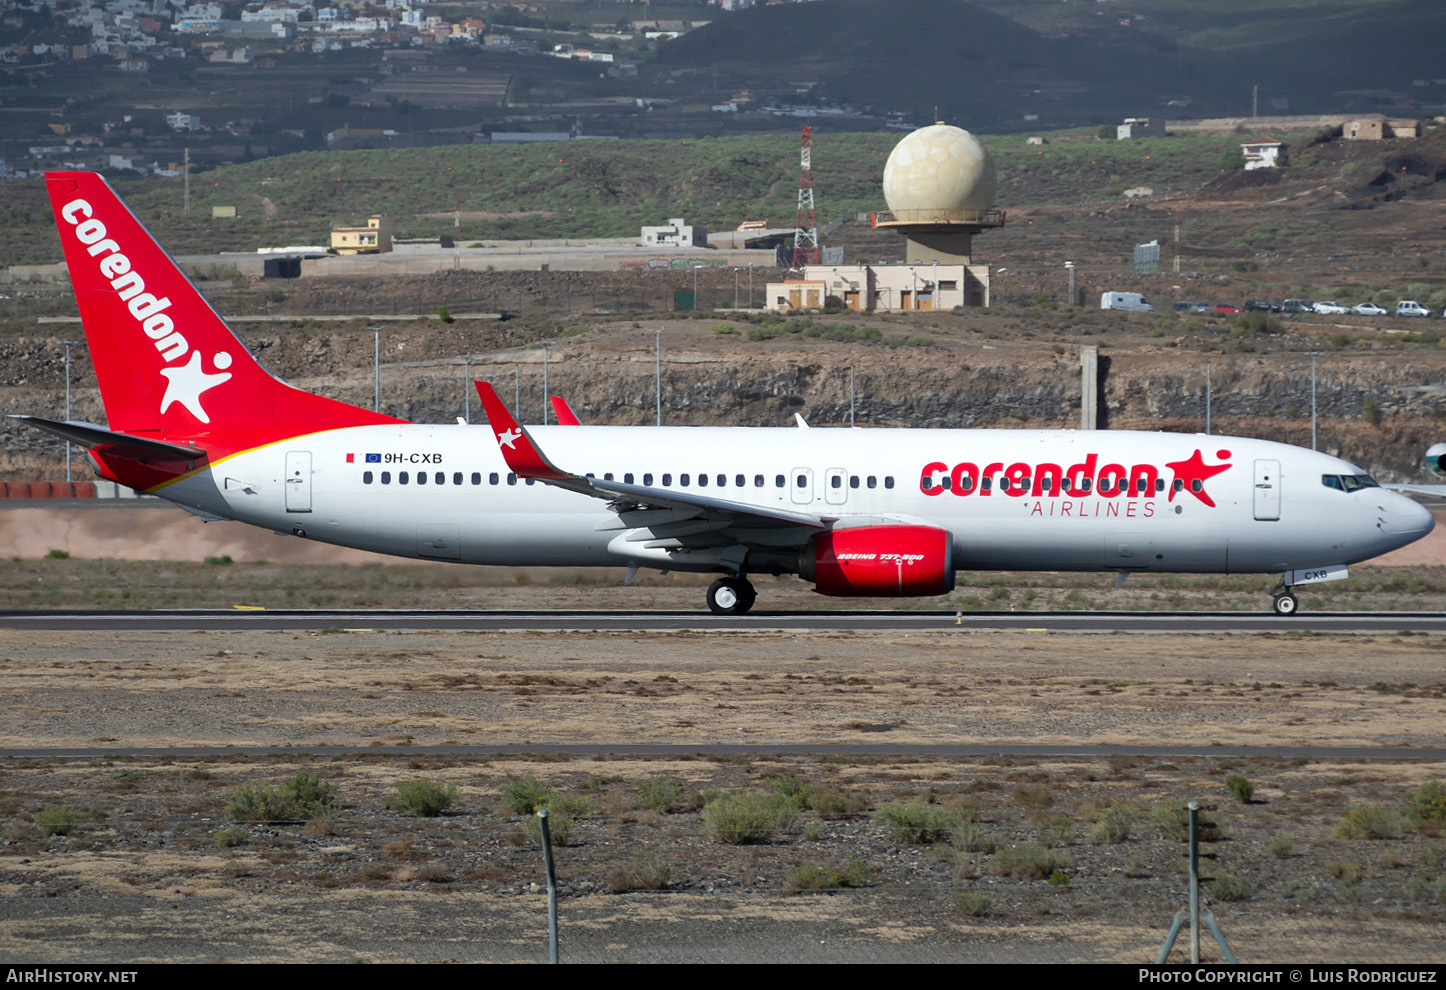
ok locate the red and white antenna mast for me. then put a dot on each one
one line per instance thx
(805, 234)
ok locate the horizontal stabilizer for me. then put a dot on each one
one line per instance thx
(91, 436)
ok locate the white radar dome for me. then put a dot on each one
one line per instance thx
(939, 169)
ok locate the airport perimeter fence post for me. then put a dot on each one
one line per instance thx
(551, 872)
(1194, 912)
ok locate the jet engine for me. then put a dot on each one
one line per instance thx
(880, 561)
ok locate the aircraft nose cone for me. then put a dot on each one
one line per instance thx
(1416, 520)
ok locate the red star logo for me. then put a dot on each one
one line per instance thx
(1188, 472)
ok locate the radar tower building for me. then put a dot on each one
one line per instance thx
(939, 184)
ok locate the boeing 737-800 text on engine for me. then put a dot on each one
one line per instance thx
(193, 418)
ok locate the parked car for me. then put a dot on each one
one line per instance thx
(1261, 305)
(1408, 307)
(1329, 309)
(1226, 308)
(1296, 306)
(1194, 307)
(1369, 309)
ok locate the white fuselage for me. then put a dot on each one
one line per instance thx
(1272, 510)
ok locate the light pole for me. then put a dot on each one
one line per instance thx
(545, 345)
(376, 369)
(658, 370)
(1069, 267)
(68, 344)
(467, 389)
(750, 285)
(735, 288)
(1313, 356)
(695, 287)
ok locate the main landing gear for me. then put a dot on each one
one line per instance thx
(731, 596)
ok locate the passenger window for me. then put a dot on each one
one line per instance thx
(492, 478)
(835, 481)
(441, 478)
(421, 478)
(722, 481)
(667, 480)
(386, 477)
(628, 478)
(872, 482)
(946, 482)
(530, 480)
(986, 483)
(457, 478)
(511, 478)
(739, 481)
(758, 481)
(401, 477)
(1159, 484)
(366, 477)
(888, 481)
(853, 481)
(683, 481)
(648, 478)
(802, 481)
(778, 481)
(1197, 485)
(608, 476)
(702, 481)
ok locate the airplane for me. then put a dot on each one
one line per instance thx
(193, 418)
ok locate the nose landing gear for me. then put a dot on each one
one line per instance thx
(1285, 603)
(731, 596)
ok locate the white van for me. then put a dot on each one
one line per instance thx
(1125, 300)
(1408, 308)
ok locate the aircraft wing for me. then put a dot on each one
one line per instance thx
(1437, 490)
(91, 436)
(526, 460)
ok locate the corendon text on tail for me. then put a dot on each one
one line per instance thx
(193, 418)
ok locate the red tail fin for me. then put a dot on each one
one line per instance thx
(167, 363)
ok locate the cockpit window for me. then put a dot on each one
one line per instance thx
(1349, 482)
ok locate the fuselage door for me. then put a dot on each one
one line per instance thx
(836, 486)
(298, 481)
(800, 484)
(1267, 490)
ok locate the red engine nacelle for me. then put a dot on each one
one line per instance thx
(881, 561)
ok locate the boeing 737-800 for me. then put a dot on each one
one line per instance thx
(193, 418)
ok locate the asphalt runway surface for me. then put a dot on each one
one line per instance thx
(217, 620)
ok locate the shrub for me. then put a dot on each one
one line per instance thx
(1231, 888)
(919, 340)
(972, 905)
(1027, 862)
(917, 823)
(1281, 845)
(57, 819)
(1426, 806)
(1112, 825)
(663, 794)
(1369, 822)
(652, 872)
(58, 555)
(722, 328)
(301, 798)
(422, 798)
(742, 817)
(524, 795)
(232, 835)
(443, 314)
(1240, 787)
(830, 876)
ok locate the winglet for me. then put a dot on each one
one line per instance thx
(518, 448)
(565, 415)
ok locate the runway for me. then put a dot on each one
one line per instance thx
(252, 620)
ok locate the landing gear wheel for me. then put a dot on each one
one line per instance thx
(731, 596)
(1285, 604)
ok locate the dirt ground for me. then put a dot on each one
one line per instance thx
(1040, 858)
